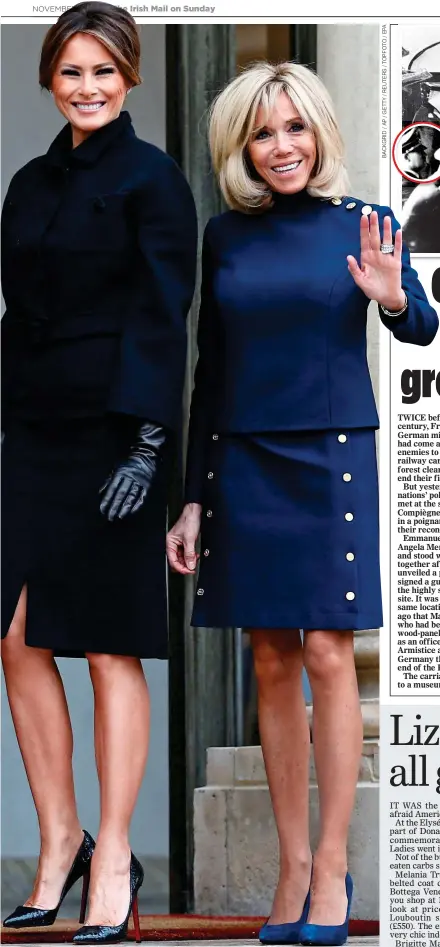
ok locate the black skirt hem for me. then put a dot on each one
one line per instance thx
(92, 585)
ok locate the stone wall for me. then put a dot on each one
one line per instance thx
(236, 849)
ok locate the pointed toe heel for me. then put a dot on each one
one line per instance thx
(106, 934)
(329, 935)
(285, 933)
(28, 916)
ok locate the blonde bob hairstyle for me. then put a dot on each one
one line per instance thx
(232, 123)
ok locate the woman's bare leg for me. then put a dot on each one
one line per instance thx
(122, 719)
(42, 724)
(285, 742)
(337, 745)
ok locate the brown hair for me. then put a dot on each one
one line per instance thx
(113, 26)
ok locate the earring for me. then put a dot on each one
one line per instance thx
(128, 91)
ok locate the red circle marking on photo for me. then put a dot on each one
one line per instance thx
(408, 177)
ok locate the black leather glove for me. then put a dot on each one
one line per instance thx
(127, 486)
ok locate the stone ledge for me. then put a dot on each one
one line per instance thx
(244, 765)
(370, 710)
(352, 942)
(367, 650)
(236, 849)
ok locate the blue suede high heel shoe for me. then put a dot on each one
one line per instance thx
(285, 933)
(329, 935)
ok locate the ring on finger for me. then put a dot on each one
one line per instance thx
(386, 247)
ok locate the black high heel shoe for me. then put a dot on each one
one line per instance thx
(29, 916)
(104, 933)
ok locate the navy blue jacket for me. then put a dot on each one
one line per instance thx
(282, 324)
(99, 259)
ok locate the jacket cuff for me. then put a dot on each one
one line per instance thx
(193, 491)
(390, 321)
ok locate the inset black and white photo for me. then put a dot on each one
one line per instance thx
(418, 155)
(420, 219)
(416, 152)
(420, 74)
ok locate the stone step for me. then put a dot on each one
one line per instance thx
(352, 942)
(186, 930)
(244, 766)
(236, 844)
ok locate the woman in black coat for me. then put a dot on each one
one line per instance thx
(99, 251)
(281, 477)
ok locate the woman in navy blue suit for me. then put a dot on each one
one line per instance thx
(281, 470)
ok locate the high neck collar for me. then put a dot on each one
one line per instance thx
(292, 203)
(87, 153)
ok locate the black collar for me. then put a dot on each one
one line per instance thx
(61, 153)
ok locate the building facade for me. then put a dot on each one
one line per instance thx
(203, 697)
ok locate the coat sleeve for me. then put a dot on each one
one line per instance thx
(419, 323)
(149, 378)
(205, 377)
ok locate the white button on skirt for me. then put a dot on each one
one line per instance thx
(292, 527)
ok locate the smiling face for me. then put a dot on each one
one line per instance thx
(282, 150)
(87, 85)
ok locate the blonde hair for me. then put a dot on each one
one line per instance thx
(232, 122)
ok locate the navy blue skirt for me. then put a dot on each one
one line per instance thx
(92, 585)
(290, 532)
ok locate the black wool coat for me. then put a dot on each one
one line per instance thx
(99, 260)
